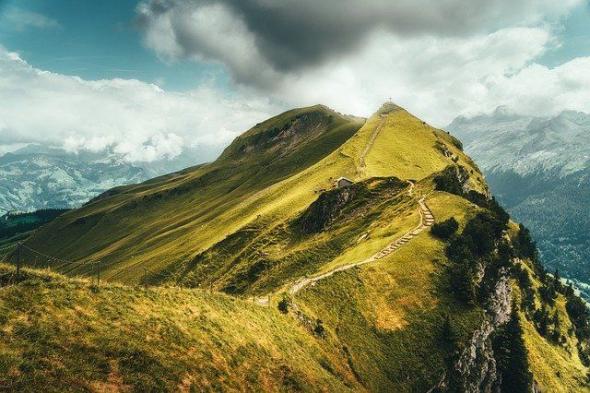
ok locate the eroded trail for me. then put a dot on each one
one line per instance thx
(426, 220)
(372, 139)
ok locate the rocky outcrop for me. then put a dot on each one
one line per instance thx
(327, 208)
(476, 366)
(453, 179)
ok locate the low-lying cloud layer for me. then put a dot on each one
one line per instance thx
(137, 120)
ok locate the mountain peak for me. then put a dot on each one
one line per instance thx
(283, 133)
(388, 107)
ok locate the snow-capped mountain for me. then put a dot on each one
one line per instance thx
(38, 177)
(507, 141)
(539, 168)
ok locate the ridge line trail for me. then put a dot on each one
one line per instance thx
(372, 140)
(426, 220)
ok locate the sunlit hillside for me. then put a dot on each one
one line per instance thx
(320, 252)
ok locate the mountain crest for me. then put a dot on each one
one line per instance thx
(283, 134)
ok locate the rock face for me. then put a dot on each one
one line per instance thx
(476, 365)
(327, 208)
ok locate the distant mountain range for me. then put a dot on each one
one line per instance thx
(38, 177)
(539, 168)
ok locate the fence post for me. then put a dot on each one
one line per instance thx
(18, 257)
(98, 273)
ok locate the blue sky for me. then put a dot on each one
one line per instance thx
(574, 37)
(151, 78)
(97, 40)
(100, 40)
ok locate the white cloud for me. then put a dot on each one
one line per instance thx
(130, 117)
(540, 91)
(438, 59)
(20, 19)
(436, 78)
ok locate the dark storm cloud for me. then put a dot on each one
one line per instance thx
(293, 34)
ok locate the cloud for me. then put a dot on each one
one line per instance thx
(136, 119)
(21, 20)
(433, 62)
(436, 78)
(254, 37)
(438, 59)
(538, 90)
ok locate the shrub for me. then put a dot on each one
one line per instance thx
(478, 198)
(445, 229)
(473, 247)
(319, 328)
(579, 314)
(283, 305)
(482, 231)
(524, 244)
(449, 334)
(548, 294)
(448, 180)
(462, 284)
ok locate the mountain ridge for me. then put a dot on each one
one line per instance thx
(435, 310)
(38, 177)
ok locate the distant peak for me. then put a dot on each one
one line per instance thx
(503, 110)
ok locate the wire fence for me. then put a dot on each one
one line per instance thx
(24, 255)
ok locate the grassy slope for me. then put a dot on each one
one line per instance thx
(168, 220)
(254, 222)
(557, 368)
(144, 229)
(58, 335)
(227, 226)
(389, 314)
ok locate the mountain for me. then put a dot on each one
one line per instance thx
(18, 226)
(319, 252)
(539, 168)
(39, 177)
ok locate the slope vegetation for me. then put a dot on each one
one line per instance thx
(264, 178)
(257, 273)
(62, 335)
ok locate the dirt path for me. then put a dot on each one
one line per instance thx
(371, 142)
(426, 220)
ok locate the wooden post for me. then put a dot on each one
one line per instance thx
(18, 257)
(98, 273)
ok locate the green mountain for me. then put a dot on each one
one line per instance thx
(320, 252)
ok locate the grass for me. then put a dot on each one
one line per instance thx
(388, 314)
(556, 367)
(67, 335)
(146, 229)
(229, 226)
